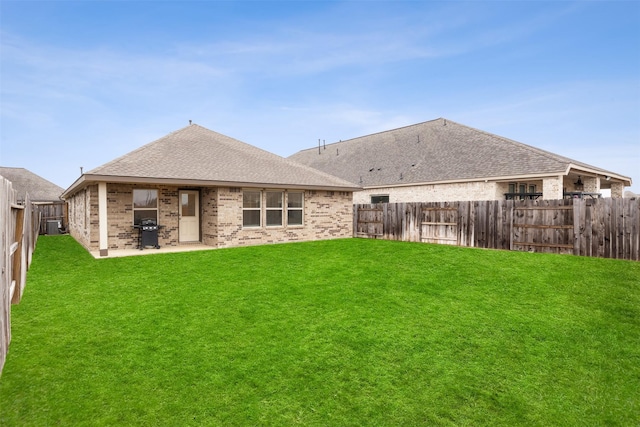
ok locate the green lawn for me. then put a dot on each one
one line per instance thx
(334, 333)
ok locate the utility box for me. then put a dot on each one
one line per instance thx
(53, 227)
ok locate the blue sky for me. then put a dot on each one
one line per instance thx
(83, 82)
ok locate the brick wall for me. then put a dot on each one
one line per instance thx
(552, 188)
(209, 216)
(327, 215)
(82, 219)
(436, 192)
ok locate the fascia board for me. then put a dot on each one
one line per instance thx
(458, 181)
(86, 179)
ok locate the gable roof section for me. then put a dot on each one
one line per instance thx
(434, 151)
(199, 156)
(25, 181)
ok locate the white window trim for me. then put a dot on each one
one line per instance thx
(263, 209)
(259, 208)
(301, 209)
(268, 209)
(133, 204)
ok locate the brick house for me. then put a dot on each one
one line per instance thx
(440, 160)
(204, 187)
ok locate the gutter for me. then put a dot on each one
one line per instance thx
(86, 179)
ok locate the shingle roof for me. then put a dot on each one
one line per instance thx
(25, 181)
(433, 151)
(198, 154)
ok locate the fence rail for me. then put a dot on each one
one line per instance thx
(19, 225)
(606, 228)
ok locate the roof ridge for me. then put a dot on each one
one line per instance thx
(203, 155)
(380, 132)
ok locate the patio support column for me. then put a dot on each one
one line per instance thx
(102, 219)
(617, 190)
(591, 184)
(552, 188)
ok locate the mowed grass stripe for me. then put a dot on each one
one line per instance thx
(343, 332)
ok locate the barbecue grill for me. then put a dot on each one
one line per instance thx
(149, 233)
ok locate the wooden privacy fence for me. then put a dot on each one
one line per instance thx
(54, 211)
(606, 228)
(19, 225)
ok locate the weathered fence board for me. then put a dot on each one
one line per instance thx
(19, 231)
(440, 224)
(605, 228)
(52, 212)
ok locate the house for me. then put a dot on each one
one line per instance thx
(440, 160)
(39, 189)
(203, 187)
(44, 194)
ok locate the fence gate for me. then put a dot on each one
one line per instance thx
(440, 224)
(369, 221)
(542, 227)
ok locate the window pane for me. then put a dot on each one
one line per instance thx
(188, 204)
(380, 199)
(274, 218)
(523, 188)
(251, 218)
(140, 214)
(251, 199)
(532, 189)
(512, 188)
(294, 200)
(294, 217)
(145, 199)
(274, 199)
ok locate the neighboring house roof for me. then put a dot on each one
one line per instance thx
(436, 151)
(195, 155)
(38, 188)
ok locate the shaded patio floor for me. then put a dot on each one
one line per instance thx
(115, 253)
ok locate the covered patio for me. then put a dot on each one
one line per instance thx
(118, 253)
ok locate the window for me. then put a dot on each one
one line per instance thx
(380, 199)
(522, 191)
(274, 208)
(188, 204)
(272, 214)
(295, 208)
(145, 205)
(251, 209)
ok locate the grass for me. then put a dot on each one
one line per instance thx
(344, 332)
